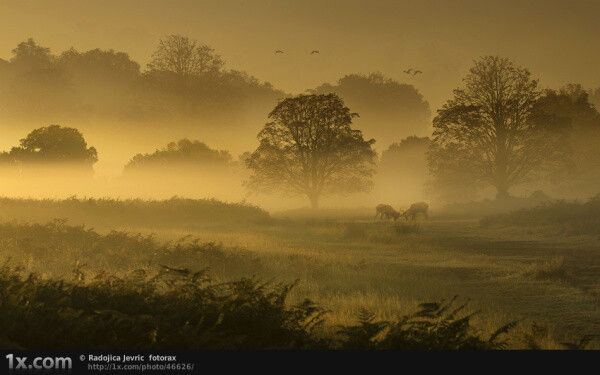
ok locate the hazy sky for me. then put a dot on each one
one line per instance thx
(557, 40)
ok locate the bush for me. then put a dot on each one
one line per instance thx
(170, 309)
(435, 326)
(176, 308)
(553, 269)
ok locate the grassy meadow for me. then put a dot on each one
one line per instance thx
(355, 270)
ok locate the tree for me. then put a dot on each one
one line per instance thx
(570, 107)
(53, 144)
(309, 148)
(488, 132)
(185, 153)
(182, 56)
(402, 170)
(31, 56)
(186, 80)
(389, 109)
(594, 96)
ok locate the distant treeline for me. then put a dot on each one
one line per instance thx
(185, 84)
(184, 79)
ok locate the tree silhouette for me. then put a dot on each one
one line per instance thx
(182, 56)
(389, 109)
(310, 149)
(183, 153)
(570, 107)
(490, 130)
(403, 167)
(187, 80)
(594, 96)
(53, 144)
(29, 56)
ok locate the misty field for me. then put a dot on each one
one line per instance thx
(349, 266)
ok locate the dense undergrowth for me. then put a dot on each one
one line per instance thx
(176, 308)
(573, 218)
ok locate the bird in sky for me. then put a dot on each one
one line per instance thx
(313, 52)
(417, 72)
(278, 51)
(407, 71)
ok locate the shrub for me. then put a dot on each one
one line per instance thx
(553, 269)
(435, 326)
(170, 309)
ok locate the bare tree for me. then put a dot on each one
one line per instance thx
(490, 130)
(178, 54)
(310, 149)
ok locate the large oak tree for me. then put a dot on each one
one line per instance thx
(491, 132)
(309, 148)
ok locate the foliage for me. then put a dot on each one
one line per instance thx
(185, 80)
(389, 109)
(172, 308)
(488, 132)
(571, 106)
(52, 144)
(180, 55)
(183, 152)
(435, 326)
(594, 96)
(310, 149)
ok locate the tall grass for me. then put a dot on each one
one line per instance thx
(560, 217)
(130, 291)
(175, 212)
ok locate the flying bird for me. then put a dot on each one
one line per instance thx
(417, 72)
(407, 71)
(278, 51)
(313, 52)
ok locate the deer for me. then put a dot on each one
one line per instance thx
(388, 211)
(416, 209)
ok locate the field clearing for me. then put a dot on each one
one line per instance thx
(347, 266)
(388, 270)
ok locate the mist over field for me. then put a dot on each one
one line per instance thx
(373, 160)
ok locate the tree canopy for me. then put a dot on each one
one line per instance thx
(183, 153)
(52, 144)
(389, 109)
(185, 83)
(490, 131)
(594, 97)
(570, 106)
(309, 148)
(186, 57)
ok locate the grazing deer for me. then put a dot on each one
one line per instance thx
(416, 209)
(387, 210)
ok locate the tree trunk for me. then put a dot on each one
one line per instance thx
(501, 167)
(502, 192)
(314, 201)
